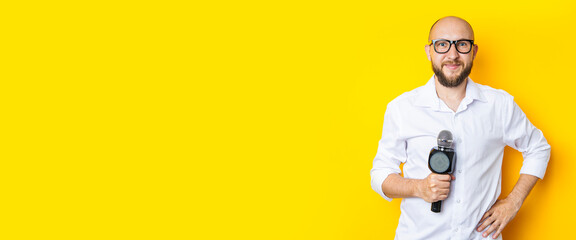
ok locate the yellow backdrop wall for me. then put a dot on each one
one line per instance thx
(250, 119)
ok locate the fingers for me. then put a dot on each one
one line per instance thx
(441, 182)
(496, 219)
(441, 177)
(496, 226)
(491, 229)
(500, 229)
(490, 222)
(438, 195)
(486, 215)
(438, 187)
(485, 222)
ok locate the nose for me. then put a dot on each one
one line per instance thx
(452, 53)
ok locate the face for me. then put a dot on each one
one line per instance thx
(451, 68)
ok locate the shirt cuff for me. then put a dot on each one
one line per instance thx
(535, 165)
(377, 180)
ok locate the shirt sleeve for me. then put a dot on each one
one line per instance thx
(521, 135)
(391, 151)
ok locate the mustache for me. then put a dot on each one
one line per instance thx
(452, 63)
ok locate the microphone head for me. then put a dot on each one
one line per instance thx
(445, 139)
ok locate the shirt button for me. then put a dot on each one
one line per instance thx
(456, 230)
(459, 171)
(458, 201)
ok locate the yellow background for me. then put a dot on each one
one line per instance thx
(249, 119)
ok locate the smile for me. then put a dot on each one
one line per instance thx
(452, 66)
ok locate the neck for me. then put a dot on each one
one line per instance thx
(452, 93)
(451, 96)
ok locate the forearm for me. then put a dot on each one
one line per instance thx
(522, 189)
(396, 186)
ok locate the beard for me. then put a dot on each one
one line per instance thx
(455, 81)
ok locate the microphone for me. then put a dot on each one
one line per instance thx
(442, 160)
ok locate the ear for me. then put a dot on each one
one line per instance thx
(427, 48)
(475, 51)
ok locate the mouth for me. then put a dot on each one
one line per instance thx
(452, 66)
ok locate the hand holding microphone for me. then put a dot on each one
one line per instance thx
(435, 187)
(441, 162)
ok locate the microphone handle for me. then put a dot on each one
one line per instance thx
(436, 206)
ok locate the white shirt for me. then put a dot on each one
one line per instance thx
(486, 121)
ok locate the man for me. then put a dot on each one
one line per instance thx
(482, 120)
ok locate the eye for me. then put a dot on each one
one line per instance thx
(441, 46)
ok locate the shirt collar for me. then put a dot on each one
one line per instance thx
(429, 98)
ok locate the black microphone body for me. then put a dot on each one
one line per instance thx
(442, 160)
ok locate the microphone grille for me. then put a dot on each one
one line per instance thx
(445, 139)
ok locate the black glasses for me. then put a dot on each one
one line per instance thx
(443, 46)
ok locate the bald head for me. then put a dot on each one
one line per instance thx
(452, 28)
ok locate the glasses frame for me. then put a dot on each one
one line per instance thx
(452, 42)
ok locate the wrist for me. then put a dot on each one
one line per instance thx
(417, 186)
(515, 200)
